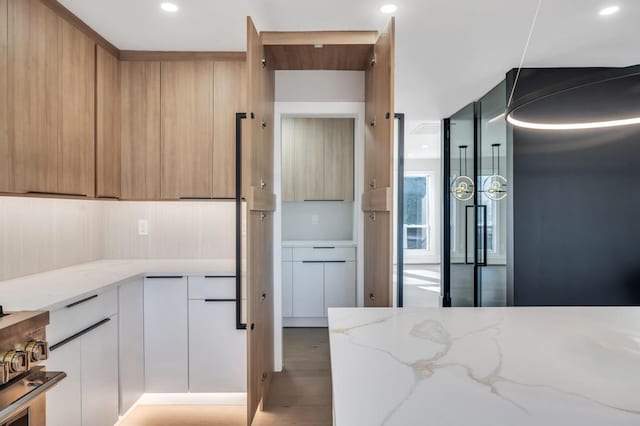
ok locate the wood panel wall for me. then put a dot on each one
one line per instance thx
(379, 142)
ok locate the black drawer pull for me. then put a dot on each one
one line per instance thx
(79, 334)
(79, 302)
(61, 194)
(323, 248)
(218, 300)
(165, 277)
(324, 261)
(219, 276)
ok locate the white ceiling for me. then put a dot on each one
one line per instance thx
(448, 52)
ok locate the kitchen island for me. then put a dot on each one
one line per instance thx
(487, 366)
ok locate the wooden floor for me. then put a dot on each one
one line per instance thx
(300, 395)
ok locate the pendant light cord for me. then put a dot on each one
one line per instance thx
(524, 53)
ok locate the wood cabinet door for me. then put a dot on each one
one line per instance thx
(6, 169)
(338, 159)
(309, 159)
(140, 129)
(229, 97)
(107, 124)
(258, 174)
(379, 142)
(76, 155)
(187, 129)
(33, 95)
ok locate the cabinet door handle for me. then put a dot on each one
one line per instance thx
(81, 301)
(78, 334)
(323, 248)
(165, 277)
(62, 194)
(218, 300)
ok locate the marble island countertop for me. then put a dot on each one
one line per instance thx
(488, 366)
(50, 290)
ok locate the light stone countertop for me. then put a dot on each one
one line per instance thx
(315, 243)
(49, 290)
(486, 366)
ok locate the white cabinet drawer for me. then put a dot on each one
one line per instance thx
(212, 288)
(324, 253)
(287, 254)
(80, 313)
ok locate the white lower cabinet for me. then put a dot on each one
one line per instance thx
(308, 289)
(287, 289)
(166, 335)
(64, 407)
(339, 285)
(217, 350)
(131, 347)
(100, 375)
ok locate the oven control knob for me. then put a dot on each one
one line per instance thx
(17, 361)
(37, 350)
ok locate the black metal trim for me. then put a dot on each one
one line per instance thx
(239, 117)
(78, 334)
(62, 194)
(400, 208)
(219, 300)
(446, 213)
(476, 200)
(164, 277)
(81, 301)
(466, 234)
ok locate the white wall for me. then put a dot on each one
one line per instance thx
(42, 234)
(335, 221)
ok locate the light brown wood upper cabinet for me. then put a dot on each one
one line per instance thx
(317, 159)
(5, 159)
(76, 141)
(229, 97)
(51, 102)
(107, 125)
(140, 130)
(33, 95)
(187, 129)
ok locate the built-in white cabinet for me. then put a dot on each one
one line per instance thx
(100, 375)
(131, 348)
(317, 278)
(64, 407)
(308, 289)
(339, 285)
(84, 344)
(166, 334)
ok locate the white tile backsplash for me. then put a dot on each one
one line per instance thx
(41, 234)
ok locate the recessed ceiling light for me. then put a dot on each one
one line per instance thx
(388, 8)
(609, 10)
(169, 7)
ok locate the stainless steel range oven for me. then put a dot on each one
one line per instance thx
(23, 383)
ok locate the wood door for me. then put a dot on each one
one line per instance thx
(187, 129)
(107, 124)
(76, 106)
(338, 159)
(258, 186)
(5, 158)
(140, 130)
(229, 97)
(309, 158)
(33, 95)
(379, 144)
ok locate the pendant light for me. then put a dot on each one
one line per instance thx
(495, 186)
(463, 187)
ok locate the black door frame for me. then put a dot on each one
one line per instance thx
(446, 211)
(400, 213)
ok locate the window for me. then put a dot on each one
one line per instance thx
(416, 212)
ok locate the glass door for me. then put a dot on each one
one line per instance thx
(460, 283)
(493, 182)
